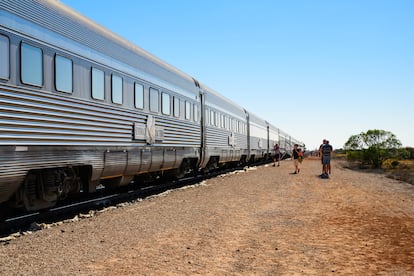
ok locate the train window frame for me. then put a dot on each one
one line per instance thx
(154, 96)
(187, 110)
(139, 95)
(27, 70)
(97, 84)
(67, 74)
(212, 117)
(176, 106)
(117, 87)
(5, 55)
(165, 103)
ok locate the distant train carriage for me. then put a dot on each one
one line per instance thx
(284, 140)
(225, 131)
(81, 107)
(258, 138)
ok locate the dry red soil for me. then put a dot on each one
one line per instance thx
(265, 221)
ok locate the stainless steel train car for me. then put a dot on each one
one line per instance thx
(82, 107)
(225, 131)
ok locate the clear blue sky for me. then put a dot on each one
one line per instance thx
(316, 69)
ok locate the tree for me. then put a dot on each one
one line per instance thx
(373, 147)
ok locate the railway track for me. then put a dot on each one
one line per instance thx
(23, 222)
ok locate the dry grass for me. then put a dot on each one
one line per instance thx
(402, 170)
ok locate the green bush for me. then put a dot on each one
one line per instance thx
(374, 147)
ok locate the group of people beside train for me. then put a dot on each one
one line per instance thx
(325, 153)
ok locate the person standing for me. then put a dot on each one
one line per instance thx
(320, 152)
(326, 159)
(276, 158)
(295, 156)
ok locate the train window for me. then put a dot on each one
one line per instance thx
(98, 84)
(176, 107)
(139, 95)
(63, 74)
(195, 113)
(207, 121)
(217, 121)
(166, 104)
(154, 95)
(117, 89)
(212, 118)
(219, 117)
(187, 110)
(4, 57)
(31, 65)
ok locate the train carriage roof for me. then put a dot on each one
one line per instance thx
(61, 19)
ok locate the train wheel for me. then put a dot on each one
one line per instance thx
(43, 188)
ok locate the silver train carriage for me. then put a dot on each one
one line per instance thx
(82, 107)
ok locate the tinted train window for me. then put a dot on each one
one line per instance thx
(139, 95)
(4, 57)
(176, 107)
(187, 110)
(63, 74)
(116, 89)
(31, 65)
(195, 113)
(212, 118)
(154, 95)
(207, 117)
(166, 104)
(98, 84)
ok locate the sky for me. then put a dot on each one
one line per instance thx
(315, 69)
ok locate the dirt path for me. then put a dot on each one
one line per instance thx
(264, 222)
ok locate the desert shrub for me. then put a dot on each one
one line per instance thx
(373, 147)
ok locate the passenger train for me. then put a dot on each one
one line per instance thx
(81, 108)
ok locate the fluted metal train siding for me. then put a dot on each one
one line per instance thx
(30, 117)
(216, 137)
(217, 143)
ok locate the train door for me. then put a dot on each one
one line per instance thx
(203, 130)
(248, 135)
